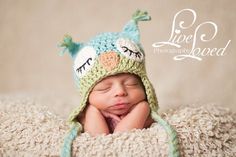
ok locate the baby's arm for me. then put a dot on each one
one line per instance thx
(136, 118)
(94, 122)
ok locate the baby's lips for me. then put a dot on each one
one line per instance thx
(120, 106)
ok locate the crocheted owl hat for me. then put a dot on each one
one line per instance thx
(109, 54)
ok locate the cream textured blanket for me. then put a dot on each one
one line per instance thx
(28, 129)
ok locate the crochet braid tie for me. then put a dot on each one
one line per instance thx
(173, 139)
(67, 145)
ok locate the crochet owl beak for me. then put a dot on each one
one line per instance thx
(109, 60)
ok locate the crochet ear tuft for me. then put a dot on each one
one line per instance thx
(131, 28)
(69, 46)
(141, 16)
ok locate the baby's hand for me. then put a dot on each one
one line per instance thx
(110, 115)
(112, 120)
(136, 118)
(94, 122)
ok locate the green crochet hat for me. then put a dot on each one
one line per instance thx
(104, 55)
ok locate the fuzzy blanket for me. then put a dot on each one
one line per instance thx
(28, 129)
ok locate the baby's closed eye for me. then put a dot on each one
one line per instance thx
(131, 82)
(102, 88)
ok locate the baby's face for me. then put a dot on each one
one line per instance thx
(117, 94)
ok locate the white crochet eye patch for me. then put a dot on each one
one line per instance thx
(129, 49)
(84, 61)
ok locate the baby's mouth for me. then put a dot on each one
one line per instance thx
(120, 106)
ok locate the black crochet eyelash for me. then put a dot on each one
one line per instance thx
(82, 67)
(126, 49)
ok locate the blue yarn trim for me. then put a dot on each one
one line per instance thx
(67, 145)
(173, 140)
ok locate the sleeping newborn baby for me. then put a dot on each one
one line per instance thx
(116, 93)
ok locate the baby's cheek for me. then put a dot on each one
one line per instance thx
(97, 101)
(139, 95)
(100, 103)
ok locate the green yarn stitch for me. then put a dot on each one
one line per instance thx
(173, 139)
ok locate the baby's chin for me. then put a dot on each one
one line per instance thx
(120, 112)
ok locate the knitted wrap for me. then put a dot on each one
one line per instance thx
(108, 54)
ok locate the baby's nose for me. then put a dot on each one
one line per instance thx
(120, 90)
(109, 60)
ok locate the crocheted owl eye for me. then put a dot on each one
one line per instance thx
(84, 61)
(129, 49)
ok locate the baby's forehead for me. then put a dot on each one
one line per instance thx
(121, 76)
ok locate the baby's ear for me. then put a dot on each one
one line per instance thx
(71, 47)
(131, 28)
